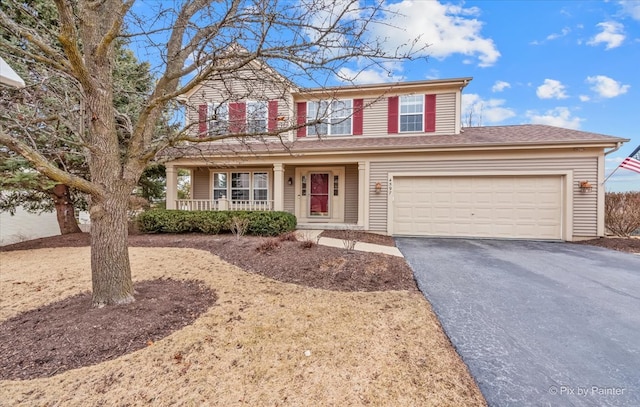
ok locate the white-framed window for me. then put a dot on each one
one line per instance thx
(260, 186)
(411, 113)
(220, 185)
(241, 186)
(257, 115)
(218, 118)
(336, 117)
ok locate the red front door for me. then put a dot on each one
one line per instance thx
(319, 196)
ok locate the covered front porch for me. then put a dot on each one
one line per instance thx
(329, 196)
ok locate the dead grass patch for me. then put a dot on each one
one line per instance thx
(264, 342)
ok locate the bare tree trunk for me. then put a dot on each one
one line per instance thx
(110, 269)
(64, 210)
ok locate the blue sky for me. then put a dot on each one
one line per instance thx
(571, 64)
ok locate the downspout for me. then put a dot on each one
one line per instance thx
(618, 145)
(601, 227)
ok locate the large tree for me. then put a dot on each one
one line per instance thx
(22, 186)
(20, 183)
(190, 41)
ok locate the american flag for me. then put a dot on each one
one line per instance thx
(633, 161)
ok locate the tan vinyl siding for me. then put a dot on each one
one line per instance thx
(200, 186)
(585, 205)
(290, 190)
(445, 113)
(351, 194)
(376, 112)
(250, 88)
(375, 117)
(584, 168)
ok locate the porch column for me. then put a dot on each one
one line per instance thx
(172, 186)
(363, 196)
(278, 187)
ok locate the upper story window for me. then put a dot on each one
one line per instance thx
(411, 113)
(335, 117)
(257, 115)
(238, 117)
(218, 114)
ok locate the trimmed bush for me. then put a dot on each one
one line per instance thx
(214, 222)
(622, 212)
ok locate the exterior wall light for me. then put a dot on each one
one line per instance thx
(378, 187)
(290, 181)
(585, 186)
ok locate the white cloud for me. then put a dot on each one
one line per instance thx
(563, 33)
(559, 117)
(433, 74)
(447, 29)
(611, 35)
(368, 76)
(631, 7)
(477, 112)
(606, 87)
(499, 86)
(584, 98)
(551, 89)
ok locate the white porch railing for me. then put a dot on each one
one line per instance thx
(251, 205)
(222, 205)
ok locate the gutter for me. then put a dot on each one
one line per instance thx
(319, 150)
(616, 148)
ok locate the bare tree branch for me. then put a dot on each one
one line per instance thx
(43, 165)
(51, 56)
(115, 30)
(69, 41)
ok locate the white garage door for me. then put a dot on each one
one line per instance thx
(516, 207)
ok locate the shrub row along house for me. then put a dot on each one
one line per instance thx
(387, 158)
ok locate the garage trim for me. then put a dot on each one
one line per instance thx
(566, 182)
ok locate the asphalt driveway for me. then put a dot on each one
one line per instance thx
(538, 323)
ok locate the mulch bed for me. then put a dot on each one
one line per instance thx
(69, 334)
(360, 236)
(317, 266)
(629, 245)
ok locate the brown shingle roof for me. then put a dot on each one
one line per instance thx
(481, 137)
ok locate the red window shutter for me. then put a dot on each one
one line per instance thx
(358, 116)
(202, 120)
(237, 117)
(301, 118)
(273, 115)
(392, 119)
(429, 113)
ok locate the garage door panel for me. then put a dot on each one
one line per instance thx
(491, 206)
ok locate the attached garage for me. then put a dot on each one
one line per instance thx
(481, 206)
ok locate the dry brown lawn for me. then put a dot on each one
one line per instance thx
(264, 342)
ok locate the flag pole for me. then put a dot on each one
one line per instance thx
(613, 172)
(625, 164)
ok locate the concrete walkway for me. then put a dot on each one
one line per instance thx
(360, 246)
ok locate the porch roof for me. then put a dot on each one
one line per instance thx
(470, 138)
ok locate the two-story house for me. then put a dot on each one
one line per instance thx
(388, 158)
